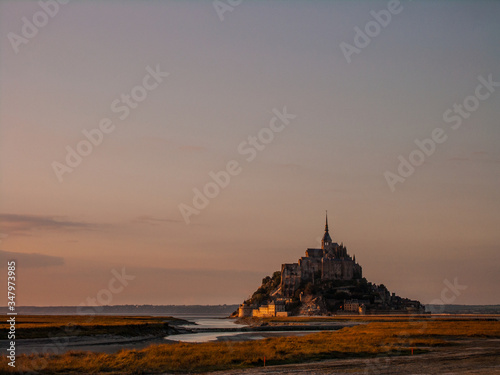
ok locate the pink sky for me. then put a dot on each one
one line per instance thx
(119, 208)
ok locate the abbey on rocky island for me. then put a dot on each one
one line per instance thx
(325, 281)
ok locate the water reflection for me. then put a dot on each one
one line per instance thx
(234, 336)
(224, 323)
(214, 323)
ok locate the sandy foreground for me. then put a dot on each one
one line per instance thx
(466, 356)
(476, 356)
(470, 356)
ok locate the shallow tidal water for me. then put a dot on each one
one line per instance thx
(224, 323)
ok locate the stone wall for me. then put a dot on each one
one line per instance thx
(290, 279)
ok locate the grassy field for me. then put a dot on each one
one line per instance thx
(367, 340)
(41, 326)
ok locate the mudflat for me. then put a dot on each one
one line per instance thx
(375, 345)
(469, 356)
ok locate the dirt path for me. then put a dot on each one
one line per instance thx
(477, 356)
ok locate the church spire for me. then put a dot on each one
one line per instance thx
(326, 242)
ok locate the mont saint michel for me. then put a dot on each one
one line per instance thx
(325, 281)
(166, 167)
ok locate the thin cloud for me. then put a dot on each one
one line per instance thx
(459, 158)
(192, 148)
(30, 260)
(153, 220)
(292, 166)
(476, 156)
(24, 224)
(158, 143)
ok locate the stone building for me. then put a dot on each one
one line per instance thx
(331, 262)
(272, 309)
(245, 310)
(355, 306)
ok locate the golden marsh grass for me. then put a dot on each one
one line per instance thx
(365, 340)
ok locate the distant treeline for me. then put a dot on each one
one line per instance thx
(222, 310)
(463, 309)
(216, 310)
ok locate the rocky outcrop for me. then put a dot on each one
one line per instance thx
(312, 306)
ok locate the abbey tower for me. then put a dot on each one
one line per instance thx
(331, 262)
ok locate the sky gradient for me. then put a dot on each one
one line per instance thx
(119, 208)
